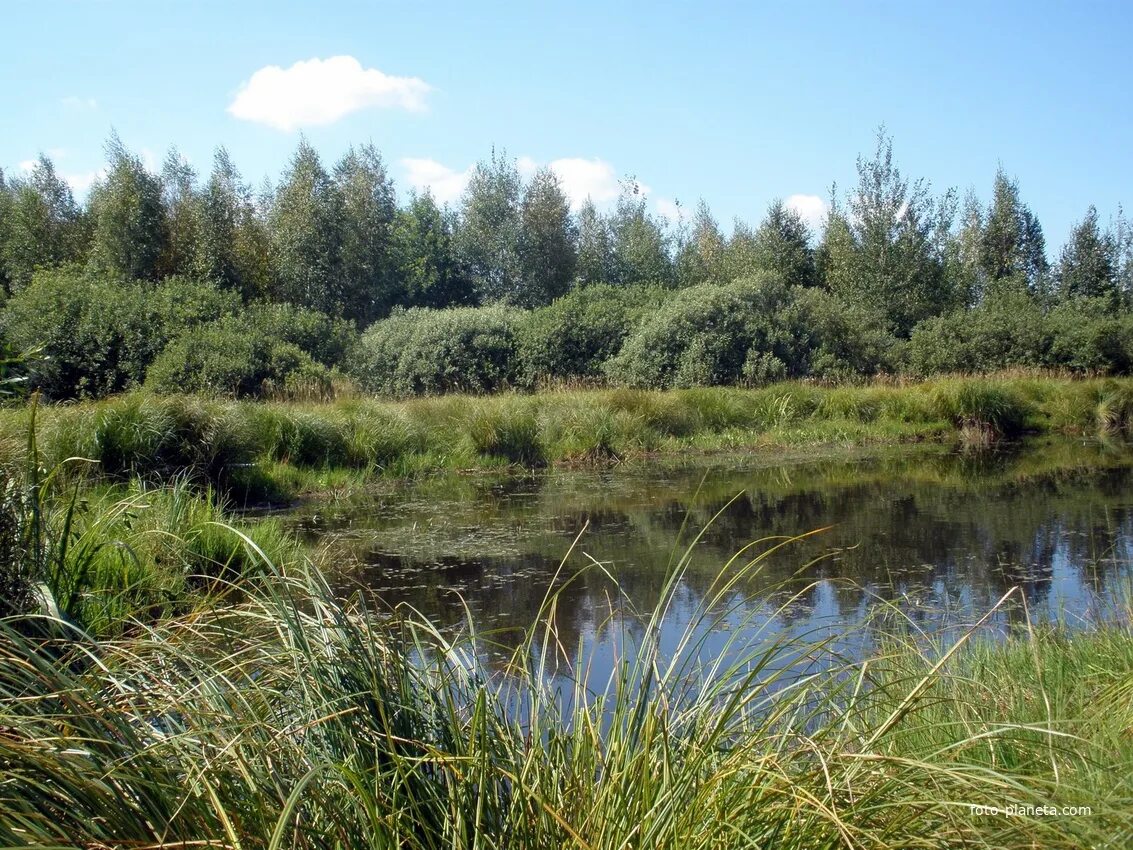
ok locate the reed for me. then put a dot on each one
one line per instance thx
(297, 719)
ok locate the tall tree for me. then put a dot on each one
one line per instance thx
(369, 213)
(782, 245)
(962, 255)
(1087, 265)
(739, 256)
(640, 247)
(182, 215)
(129, 217)
(1013, 243)
(548, 242)
(896, 264)
(700, 257)
(307, 233)
(428, 265)
(43, 224)
(595, 248)
(490, 226)
(222, 203)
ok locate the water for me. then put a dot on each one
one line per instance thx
(933, 537)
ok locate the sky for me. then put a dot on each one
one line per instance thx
(733, 103)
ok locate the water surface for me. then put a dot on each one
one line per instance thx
(936, 535)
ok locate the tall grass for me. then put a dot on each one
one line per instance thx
(95, 555)
(298, 720)
(241, 447)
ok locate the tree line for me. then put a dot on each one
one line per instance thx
(897, 270)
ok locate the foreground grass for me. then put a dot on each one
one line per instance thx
(262, 452)
(297, 720)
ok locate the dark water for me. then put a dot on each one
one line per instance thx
(933, 536)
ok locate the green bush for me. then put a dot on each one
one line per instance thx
(426, 352)
(574, 337)
(95, 335)
(1087, 336)
(327, 340)
(714, 334)
(226, 359)
(846, 341)
(1006, 330)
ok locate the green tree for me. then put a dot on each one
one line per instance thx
(896, 263)
(369, 213)
(700, 257)
(306, 232)
(182, 215)
(488, 239)
(962, 255)
(129, 217)
(1013, 242)
(595, 248)
(430, 271)
(1087, 266)
(548, 242)
(782, 245)
(225, 209)
(640, 247)
(42, 227)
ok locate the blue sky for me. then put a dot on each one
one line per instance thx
(736, 103)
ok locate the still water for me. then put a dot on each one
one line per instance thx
(932, 536)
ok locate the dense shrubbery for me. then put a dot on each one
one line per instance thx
(713, 334)
(1010, 329)
(94, 336)
(267, 349)
(1003, 331)
(575, 336)
(425, 352)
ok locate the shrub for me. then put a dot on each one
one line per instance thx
(714, 334)
(97, 335)
(426, 352)
(327, 340)
(1005, 330)
(1086, 336)
(226, 359)
(578, 333)
(846, 341)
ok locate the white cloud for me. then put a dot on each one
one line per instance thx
(526, 166)
(811, 208)
(446, 184)
(321, 91)
(586, 178)
(80, 104)
(27, 165)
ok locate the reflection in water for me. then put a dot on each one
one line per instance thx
(940, 536)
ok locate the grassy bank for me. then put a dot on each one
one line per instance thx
(102, 557)
(270, 451)
(294, 720)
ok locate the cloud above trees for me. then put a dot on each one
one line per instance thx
(317, 92)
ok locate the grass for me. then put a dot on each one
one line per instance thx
(269, 452)
(295, 719)
(97, 554)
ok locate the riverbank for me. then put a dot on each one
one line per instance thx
(272, 452)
